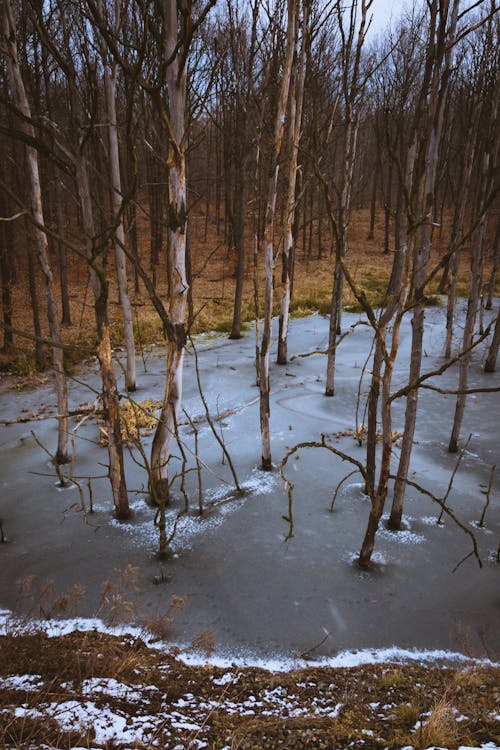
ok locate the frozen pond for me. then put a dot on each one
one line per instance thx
(252, 591)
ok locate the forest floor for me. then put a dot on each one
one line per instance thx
(96, 690)
(214, 273)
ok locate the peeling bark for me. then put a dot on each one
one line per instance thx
(176, 333)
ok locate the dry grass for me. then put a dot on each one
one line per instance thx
(441, 728)
(214, 269)
(384, 706)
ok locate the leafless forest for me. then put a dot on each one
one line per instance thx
(153, 151)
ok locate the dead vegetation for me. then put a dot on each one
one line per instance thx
(213, 293)
(378, 706)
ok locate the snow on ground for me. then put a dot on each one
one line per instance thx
(9, 623)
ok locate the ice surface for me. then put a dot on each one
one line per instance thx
(258, 595)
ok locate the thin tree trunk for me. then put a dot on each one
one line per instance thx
(378, 502)
(434, 105)
(63, 260)
(470, 322)
(119, 233)
(110, 399)
(35, 305)
(268, 237)
(371, 432)
(373, 202)
(341, 249)
(491, 358)
(21, 101)
(177, 217)
(494, 271)
(296, 103)
(456, 235)
(239, 210)
(7, 276)
(387, 213)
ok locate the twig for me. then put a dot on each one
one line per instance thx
(354, 471)
(450, 513)
(289, 484)
(198, 463)
(306, 654)
(487, 493)
(331, 348)
(453, 473)
(62, 479)
(184, 464)
(210, 421)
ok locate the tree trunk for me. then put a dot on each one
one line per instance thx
(341, 247)
(7, 275)
(239, 216)
(268, 237)
(470, 322)
(428, 131)
(491, 359)
(166, 429)
(494, 271)
(119, 233)
(63, 261)
(373, 202)
(111, 406)
(21, 101)
(35, 306)
(457, 232)
(371, 433)
(387, 213)
(338, 281)
(296, 102)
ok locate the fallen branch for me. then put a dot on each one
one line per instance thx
(453, 517)
(418, 383)
(331, 348)
(453, 474)
(42, 417)
(290, 485)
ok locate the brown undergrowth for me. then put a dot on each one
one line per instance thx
(214, 268)
(377, 706)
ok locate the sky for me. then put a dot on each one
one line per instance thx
(382, 10)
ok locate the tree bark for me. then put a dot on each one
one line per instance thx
(428, 131)
(491, 359)
(111, 405)
(470, 322)
(494, 271)
(294, 135)
(7, 276)
(119, 233)
(177, 217)
(268, 237)
(21, 101)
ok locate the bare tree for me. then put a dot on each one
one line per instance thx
(428, 128)
(176, 44)
(353, 86)
(19, 95)
(268, 244)
(110, 74)
(294, 135)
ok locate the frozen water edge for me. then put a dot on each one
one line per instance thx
(238, 659)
